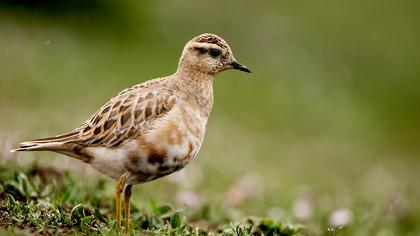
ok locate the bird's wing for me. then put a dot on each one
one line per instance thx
(125, 116)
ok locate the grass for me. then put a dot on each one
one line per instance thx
(44, 201)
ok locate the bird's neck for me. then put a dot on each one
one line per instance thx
(197, 88)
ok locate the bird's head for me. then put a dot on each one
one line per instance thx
(209, 54)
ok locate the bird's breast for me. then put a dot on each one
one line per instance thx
(173, 141)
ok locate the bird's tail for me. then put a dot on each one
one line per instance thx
(54, 143)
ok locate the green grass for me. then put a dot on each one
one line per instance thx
(44, 201)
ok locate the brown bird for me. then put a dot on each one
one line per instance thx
(151, 129)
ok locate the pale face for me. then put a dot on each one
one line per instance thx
(209, 54)
(210, 58)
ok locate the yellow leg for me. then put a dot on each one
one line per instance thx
(127, 196)
(118, 190)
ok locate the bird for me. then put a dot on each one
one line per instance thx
(151, 129)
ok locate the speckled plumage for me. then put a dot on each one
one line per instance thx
(151, 129)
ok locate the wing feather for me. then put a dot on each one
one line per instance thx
(125, 116)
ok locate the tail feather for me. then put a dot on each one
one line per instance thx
(65, 144)
(29, 146)
(58, 138)
(54, 143)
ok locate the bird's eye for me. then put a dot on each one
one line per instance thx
(214, 52)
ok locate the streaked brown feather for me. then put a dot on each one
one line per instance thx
(124, 116)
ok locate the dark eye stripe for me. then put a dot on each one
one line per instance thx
(200, 49)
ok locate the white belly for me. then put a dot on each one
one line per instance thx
(108, 161)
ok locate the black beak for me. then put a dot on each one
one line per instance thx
(235, 65)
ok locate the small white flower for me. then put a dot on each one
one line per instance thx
(189, 199)
(302, 209)
(248, 186)
(341, 217)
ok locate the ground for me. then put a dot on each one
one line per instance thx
(45, 201)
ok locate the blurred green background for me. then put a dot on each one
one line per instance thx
(329, 118)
